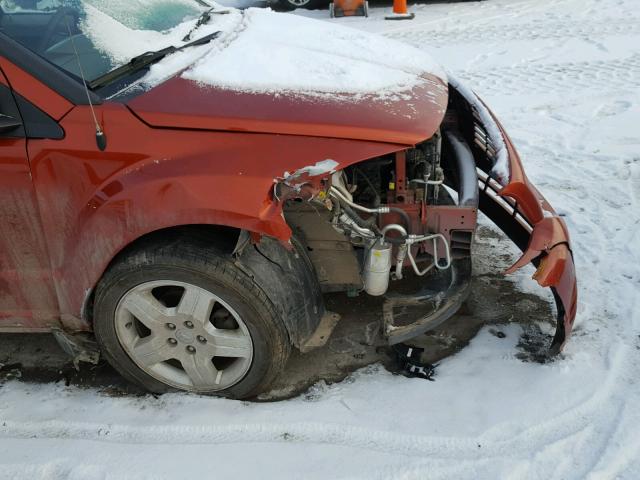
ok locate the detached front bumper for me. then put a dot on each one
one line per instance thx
(516, 206)
(513, 203)
(521, 211)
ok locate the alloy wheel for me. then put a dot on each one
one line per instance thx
(184, 335)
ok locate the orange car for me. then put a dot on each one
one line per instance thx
(194, 228)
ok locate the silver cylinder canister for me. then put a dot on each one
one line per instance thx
(377, 268)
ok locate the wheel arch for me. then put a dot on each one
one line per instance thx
(285, 275)
(222, 237)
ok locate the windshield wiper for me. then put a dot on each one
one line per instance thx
(144, 60)
(204, 19)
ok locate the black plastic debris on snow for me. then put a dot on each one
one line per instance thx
(411, 364)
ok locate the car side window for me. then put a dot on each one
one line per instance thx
(20, 118)
(37, 123)
(10, 120)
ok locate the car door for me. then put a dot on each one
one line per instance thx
(27, 296)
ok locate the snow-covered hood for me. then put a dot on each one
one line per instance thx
(280, 73)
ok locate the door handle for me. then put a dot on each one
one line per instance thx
(8, 124)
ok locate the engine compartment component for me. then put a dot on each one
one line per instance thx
(410, 213)
(331, 253)
(377, 268)
(393, 205)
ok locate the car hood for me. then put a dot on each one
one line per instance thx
(280, 73)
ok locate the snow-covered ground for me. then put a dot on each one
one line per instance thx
(564, 77)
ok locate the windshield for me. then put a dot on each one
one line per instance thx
(52, 28)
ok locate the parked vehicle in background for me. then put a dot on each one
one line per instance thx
(192, 219)
(308, 4)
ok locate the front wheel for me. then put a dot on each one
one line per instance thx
(182, 317)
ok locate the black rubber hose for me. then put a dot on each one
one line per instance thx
(397, 240)
(468, 193)
(405, 217)
(361, 222)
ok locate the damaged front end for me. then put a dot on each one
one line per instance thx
(413, 213)
(371, 224)
(516, 206)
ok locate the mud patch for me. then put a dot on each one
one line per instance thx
(533, 345)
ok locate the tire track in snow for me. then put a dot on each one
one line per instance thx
(635, 186)
(557, 77)
(616, 458)
(521, 444)
(577, 178)
(574, 171)
(473, 16)
(540, 30)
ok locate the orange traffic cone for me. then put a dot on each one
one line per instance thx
(349, 8)
(400, 11)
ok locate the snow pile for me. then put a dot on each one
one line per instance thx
(276, 52)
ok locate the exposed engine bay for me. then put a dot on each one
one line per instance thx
(409, 213)
(413, 213)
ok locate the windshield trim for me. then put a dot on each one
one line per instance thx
(60, 81)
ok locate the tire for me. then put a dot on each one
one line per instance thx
(307, 4)
(157, 273)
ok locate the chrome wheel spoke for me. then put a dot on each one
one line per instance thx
(231, 343)
(152, 350)
(200, 370)
(144, 307)
(197, 304)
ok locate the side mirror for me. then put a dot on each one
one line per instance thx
(8, 124)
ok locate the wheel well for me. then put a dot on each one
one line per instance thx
(220, 237)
